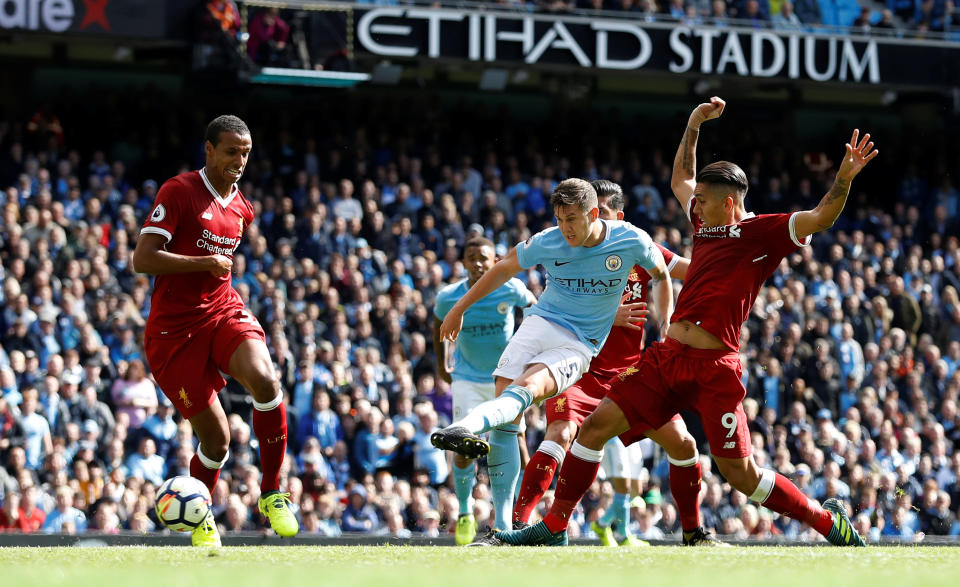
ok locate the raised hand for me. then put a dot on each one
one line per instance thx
(859, 153)
(706, 111)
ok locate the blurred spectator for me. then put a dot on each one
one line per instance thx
(267, 44)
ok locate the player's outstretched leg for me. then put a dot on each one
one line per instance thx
(842, 533)
(206, 534)
(491, 414)
(779, 494)
(461, 441)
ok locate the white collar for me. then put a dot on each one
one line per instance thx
(224, 202)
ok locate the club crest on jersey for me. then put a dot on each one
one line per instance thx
(502, 307)
(503, 362)
(613, 263)
(240, 222)
(159, 213)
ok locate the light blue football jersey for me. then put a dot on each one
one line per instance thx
(487, 326)
(584, 284)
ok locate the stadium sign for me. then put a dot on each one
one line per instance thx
(127, 18)
(629, 45)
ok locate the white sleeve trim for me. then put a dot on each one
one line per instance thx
(155, 230)
(793, 232)
(673, 262)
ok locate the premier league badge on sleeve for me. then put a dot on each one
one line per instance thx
(159, 213)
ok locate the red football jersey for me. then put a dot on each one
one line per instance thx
(624, 346)
(196, 221)
(727, 268)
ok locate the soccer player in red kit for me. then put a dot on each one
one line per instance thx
(566, 412)
(198, 327)
(698, 367)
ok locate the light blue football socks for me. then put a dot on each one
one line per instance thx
(503, 464)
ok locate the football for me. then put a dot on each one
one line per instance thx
(182, 503)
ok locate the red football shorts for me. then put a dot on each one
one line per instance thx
(188, 367)
(578, 401)
(672, 377)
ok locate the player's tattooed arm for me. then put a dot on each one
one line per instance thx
(685, 161)
(859, 152)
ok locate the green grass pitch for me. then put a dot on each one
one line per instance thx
(388, 566)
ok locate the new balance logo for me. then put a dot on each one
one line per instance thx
(727, 445)
(207, 216)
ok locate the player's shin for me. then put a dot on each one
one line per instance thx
(464, 479)
(575, 478)
(503, 463)
(685, 488)
(537, 477)
(497, 412)
(775, 492)
(206, 469)
(270, 426)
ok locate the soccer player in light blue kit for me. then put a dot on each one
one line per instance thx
(487, 327)
(588, 261)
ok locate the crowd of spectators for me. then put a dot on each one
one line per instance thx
(362, 206)
(893, 17)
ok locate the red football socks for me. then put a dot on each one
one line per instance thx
(199, 471)
(576, 477)
(685, 487)
(536, 480)
(271, 429)
(787, 499)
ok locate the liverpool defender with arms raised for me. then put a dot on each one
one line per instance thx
(588, 261)
(698, 366)
(198, 326)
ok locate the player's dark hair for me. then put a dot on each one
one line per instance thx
(477, 241)
(724, 173)
(611, 190)
(574, 192)
(225, 123)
